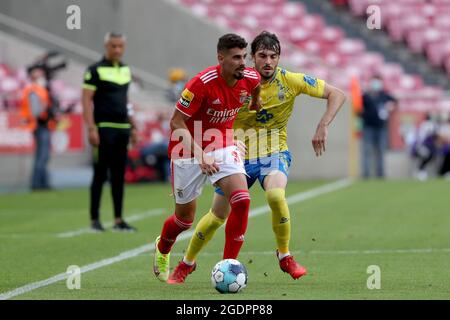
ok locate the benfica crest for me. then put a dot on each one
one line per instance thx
(244, 97)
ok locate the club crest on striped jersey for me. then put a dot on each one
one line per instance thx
(244, 97)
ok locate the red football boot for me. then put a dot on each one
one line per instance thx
(180, 273)
(289, 265)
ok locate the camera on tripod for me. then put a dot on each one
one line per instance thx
(51, 63)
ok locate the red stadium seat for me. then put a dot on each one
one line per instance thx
(292, 10)
(351, 47)
(398, 27)
(447, 65)
(436, 52)
(442, 22)
(444, 105)
(332, 35)
(418, 39)
(410, 82)
(358, 7)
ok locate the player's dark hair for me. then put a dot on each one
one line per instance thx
(230, 41)
(266, 41)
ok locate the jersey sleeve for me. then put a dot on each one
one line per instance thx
(91, 79)
(254, 79)
(303, 83)
(255, 83)
(191, 97)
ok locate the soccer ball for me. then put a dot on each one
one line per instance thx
(229, 276)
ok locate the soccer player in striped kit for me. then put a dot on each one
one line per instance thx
(202, 148)
(269, 162)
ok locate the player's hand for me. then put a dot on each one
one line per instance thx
(134, 136)
(209, 165)
(94, 139)
(242, 148)
(256, 106)
(320, 139)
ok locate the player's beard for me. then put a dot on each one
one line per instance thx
(239, 75)
(265, 77)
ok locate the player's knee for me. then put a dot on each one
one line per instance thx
(240, 201)
(183, 222)
(275, 197)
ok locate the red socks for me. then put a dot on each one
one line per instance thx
(236, 223)
(173, 226)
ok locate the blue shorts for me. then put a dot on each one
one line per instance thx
(259, 168)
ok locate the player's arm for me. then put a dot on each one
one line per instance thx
(180, 130)
(256, 102)
(132, 120)
(189, 104)
(88, 115)
(89, 88)
(335, 99)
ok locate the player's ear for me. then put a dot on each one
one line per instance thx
(220, 56)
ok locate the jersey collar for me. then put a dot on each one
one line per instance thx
(109, 62)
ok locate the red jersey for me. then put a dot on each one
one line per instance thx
(211, 104)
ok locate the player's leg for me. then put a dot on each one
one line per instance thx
(100, 158)
(274, 186)
(188, 182)
(232, 181)
(274, 183)
(204, 232)
(214, 218)
(207, 226)
(118, 162)
(236, 191)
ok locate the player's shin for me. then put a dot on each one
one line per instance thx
(281, 223)
(236, 224)
(173, 226)
(204, 232)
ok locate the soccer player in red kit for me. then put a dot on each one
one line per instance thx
(202, 148)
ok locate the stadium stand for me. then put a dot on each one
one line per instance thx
(423, 24)
(325, 51)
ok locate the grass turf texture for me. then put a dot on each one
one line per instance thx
(334, 235)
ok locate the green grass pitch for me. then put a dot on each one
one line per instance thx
(401, 226)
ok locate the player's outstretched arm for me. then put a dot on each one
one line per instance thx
(335, 99)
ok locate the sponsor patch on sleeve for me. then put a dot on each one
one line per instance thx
(310, 80)
(186, 98)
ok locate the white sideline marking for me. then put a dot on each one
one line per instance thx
(132, 218)
(299, 197)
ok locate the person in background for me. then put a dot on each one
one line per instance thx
(375, 115)
(35, 110)
(444, 143)
(109, 121)
(425, 147)
(178, 80)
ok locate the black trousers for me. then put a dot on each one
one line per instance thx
(109, 158)
(445, 167)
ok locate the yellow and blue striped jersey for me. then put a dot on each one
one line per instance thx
(265, 131)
